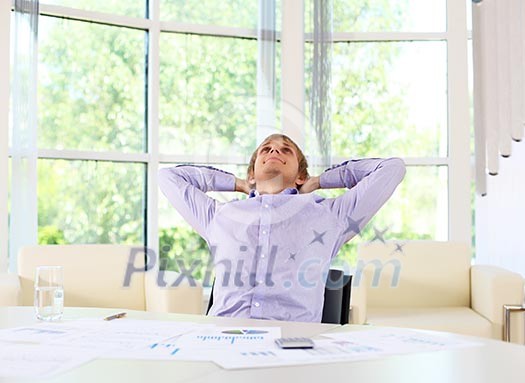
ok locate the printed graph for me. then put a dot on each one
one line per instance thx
(229, 339)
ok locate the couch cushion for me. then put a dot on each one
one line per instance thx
(93, 274)
(460, 320)
(415, 274)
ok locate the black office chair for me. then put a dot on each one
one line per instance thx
(336, 306)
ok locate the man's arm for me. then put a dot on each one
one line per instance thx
(311, 184)
(186, 186)
(371, 183)
(242, 186)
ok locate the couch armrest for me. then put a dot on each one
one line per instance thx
(491, 288)
(182, 298)
(10, 293)
(358, 299)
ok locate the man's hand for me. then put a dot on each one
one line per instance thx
(310, 185)
(242, 186)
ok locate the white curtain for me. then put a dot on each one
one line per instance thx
(319, 132)
(499, 88)
(5, 42)
(266, 37)
(23, 223)
(320, 101)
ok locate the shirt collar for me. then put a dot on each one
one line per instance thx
(255, 193)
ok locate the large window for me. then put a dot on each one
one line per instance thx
(390, 98)
(90, 202)
(91, 86)
(124, 90)
(91, 101)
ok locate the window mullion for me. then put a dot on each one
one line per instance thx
(460, 225)
(208, 30)
(92, 16)
(92, 155)
(292, 77)
(384, 36)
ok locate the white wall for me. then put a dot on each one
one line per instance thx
(500, 216)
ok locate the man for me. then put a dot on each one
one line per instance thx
(272, 250)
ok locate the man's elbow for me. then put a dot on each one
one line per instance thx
(397, 167)
(163, 175)
(165, 178)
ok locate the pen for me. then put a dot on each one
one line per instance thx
(115, 316)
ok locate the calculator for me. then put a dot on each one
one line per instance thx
(290, 343)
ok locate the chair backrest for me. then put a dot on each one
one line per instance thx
(94, 275)
(414, 273)
(336, 306)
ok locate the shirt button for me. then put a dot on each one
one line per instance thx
(260, 282)
(262, 255)
(264, 232)
(266, 205)
(256, 304)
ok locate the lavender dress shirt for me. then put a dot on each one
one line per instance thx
(272, 252)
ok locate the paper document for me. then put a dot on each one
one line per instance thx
(125, 334)
(344, 346)
(206, 344)
(38, 333)
(39, 361)
(99, 334)
(46, 348)
(400, 340)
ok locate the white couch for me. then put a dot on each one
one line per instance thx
(95, 276)
(432, 285)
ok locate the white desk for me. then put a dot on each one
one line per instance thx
(494, 361)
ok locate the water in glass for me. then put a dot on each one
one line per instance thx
(49, 293)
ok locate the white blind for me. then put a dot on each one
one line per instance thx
(498, 32)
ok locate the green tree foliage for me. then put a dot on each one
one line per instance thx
(207, 95)
(50, 235)
(91, 86)
(231, 13)
(370, 106)
(369, 15)
(92, 202)
(182, 245)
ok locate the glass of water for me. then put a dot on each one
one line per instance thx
(49, 293)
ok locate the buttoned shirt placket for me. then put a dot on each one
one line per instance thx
(263, 254)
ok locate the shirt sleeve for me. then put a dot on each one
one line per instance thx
(185, 188)
(371, 182)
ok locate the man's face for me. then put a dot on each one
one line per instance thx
(277, 160)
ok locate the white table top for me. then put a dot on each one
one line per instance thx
(493, 361)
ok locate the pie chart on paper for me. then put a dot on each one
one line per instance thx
(244, 332)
